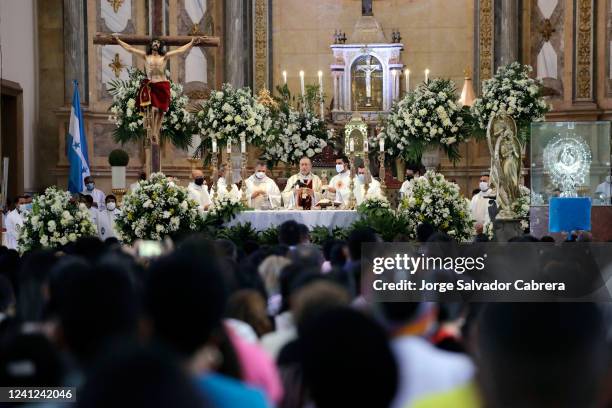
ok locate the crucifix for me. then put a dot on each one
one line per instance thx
(368, 69)
(154, 94)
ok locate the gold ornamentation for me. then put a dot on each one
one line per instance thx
(266, 99)
(486, 39)
(584, 49)
(116, 65)
(261, 43)
(198, 94)
(195, 30)
(116, 4)
(546, 29)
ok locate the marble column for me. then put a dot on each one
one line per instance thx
(238, 42)
(75, 49)
(507, 36)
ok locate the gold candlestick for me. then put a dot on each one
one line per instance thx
(243, 160)
(351, 200)
(119, 193)
(381, 174)
(214, 174)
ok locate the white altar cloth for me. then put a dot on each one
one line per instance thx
(261, 220)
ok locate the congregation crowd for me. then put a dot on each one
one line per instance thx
(207, 324)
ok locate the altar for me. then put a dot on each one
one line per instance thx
(262, 220)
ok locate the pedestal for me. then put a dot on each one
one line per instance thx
(504, 230)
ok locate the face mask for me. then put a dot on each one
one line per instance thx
(484, 186)
(23, 208)
(90, 186)
(199, 181)
(409, 177)
(361, 178)
(260, 174)
(339, 168)
(110, 205)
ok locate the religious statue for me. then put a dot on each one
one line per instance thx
(154, 94)
(506, 161)
(368, 69)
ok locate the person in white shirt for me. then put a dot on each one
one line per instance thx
(106, 219)
(304, 177)
(15, 218)
(222, 176)
(411, 173)
(359, 186)
(339, 186)
(93, 211)
(91, 190)
(141, 177)
(262, 192)
(198, 190)
(479, 206)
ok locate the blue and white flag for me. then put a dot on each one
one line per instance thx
(77, 146)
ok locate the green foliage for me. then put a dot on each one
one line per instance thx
(320, 234)
(118, 157)
(239, 234)
(269, 236)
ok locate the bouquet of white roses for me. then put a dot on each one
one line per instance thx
(177, 126)
(230, 114)
(513, 92)
(297, 134)
(436, 201)
(377, 205)
(430, 116)
(157, 208)
(521, 206)
(225, 206)
(55, 220)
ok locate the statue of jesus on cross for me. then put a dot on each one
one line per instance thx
(368, 69)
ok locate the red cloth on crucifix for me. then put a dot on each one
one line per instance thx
(155, 94)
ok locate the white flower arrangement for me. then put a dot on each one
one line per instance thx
(297, 134)
(376, 205)
(55, 220)
(230, 114)
(177, 126)
(436, 201)
(488, 230)
(157, 208)
(513, 92)
(225, 206)
(429, 116)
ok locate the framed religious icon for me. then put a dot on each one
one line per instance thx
(355, 136)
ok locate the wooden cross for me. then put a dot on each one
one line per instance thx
(153, 158)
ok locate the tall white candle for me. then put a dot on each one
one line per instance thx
(242, 144)
(229, 146)
(394, 94)
(302, 83)
(285, 77)
(322, 107)
(381, 144)
(407, 80)
(427, 75)
(365, 145)
(214, 145)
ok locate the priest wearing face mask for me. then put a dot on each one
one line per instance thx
(197, 190)
(91, 190)
(307, 183)
(15, 218)
(262, 192)
(479, 206)
(411, 173)
(359, 186)
(339, 185)
(107, 217)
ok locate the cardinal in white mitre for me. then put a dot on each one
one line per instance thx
(339, 186)
(262, 192)
(359, 186)
(308, 182)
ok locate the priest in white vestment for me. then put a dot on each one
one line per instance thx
(107, 217)
(91, 190)
(262, 192)
(479, 206)
(359, 186)
(197, 190)
(404, 190)
(221, 187)
(339, 186)
(305, 176)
